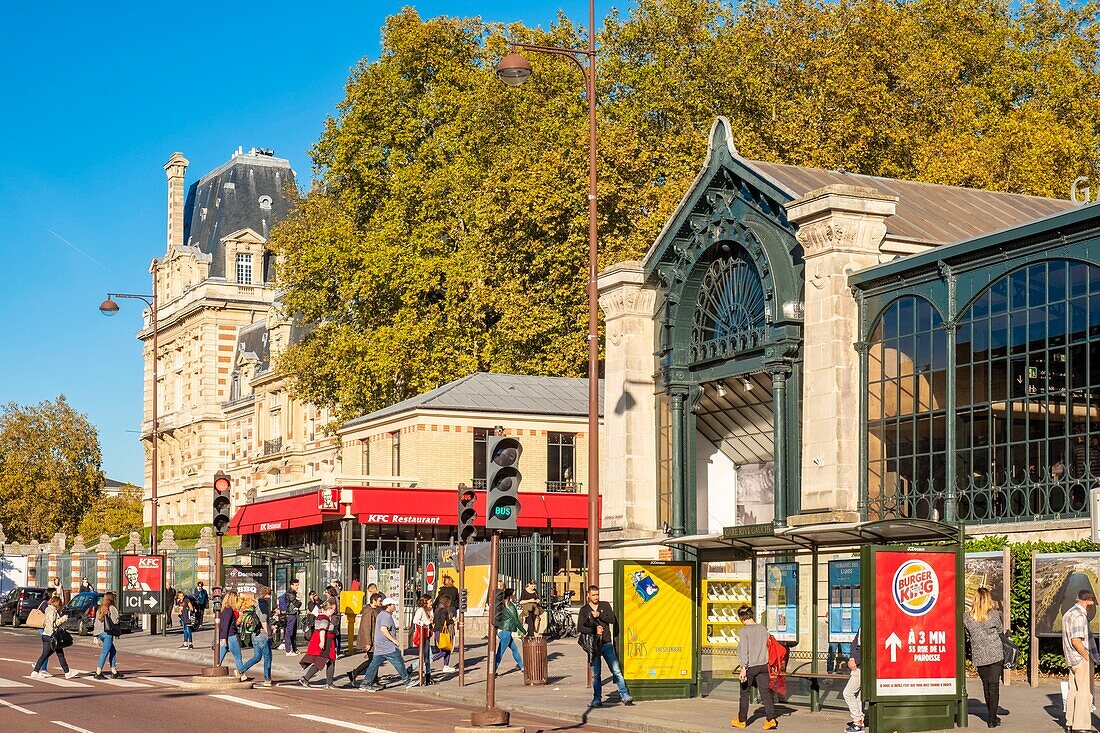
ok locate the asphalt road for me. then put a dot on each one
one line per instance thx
(149, 699)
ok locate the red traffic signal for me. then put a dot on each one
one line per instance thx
(220, 508)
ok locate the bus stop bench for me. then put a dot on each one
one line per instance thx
(815, 679)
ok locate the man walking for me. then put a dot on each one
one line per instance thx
(852, 690)
(365, 637)
(753, 653)
(1081, 656)
(386, 648)
(289, 607)
(598, 619)
(202, 598)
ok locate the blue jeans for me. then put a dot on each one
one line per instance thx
(506, 641)
(187, 634)
(232, 644)
(108, 652)
(833, 661)
(393, 658)
(261, 649)
(289, 642)
(607, 651)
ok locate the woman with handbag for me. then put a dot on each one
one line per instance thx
(53, 637)
(422, 636)
(229, 633)
(321, 651)
(106, 628)
(985, 627)
(188, 619)
(444, 624)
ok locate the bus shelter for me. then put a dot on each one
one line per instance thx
(897, 583)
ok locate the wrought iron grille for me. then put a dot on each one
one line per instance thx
(273, 446)
(729, 310)
(562, 487)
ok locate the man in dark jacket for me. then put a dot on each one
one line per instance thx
(290, 607)
(202, 598)
(851, 690)
(598, 620)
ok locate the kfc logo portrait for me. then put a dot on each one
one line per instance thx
(328, 500)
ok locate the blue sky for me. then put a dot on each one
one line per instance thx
(97, 96)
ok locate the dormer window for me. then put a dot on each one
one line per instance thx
(244, 268)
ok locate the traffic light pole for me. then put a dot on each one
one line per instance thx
(461, 615)
(491, 715)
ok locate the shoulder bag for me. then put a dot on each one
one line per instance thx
(36, 619)
(1012, 652)
(61, 639)
(110, 626)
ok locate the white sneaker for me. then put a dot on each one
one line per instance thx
(70, 674)
(449, 670)
(35, 675)
(44, 673)
(292, 654)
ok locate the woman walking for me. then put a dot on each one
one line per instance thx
(53, 622)
(228, 632)
(188, 619)
(106, 629)
(444, 624)
(321, 651)
(984, 624)
(261, 638)
(508, 625)
(422, 623)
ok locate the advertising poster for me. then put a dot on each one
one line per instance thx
(142, 584)
(13, 572)
(754, 491)
(656, 616)
(1055, 582)
(781, 587)
(985, 570)
(843, 600)
(247, 578)
(916, 626)
(477, 574)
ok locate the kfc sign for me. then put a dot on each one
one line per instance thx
(269, 526)
(328, 500)
(403, 519)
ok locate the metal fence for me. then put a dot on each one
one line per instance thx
(183, 564)
(522, 560)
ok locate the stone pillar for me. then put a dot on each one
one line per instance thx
(78, 550)
(32, 564)
(628, 485)
(841, 229)
(175, 168)
(53, 565)
(135, 545)
(204, 553)
(103, 550)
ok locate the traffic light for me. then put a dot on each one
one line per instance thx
(466, 514)
(463, 596)
(502, 478)
(221, 502)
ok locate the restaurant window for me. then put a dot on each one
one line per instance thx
(481, 458)
(907, 412)
(395, 453)
(1028, 358)
(560, 473)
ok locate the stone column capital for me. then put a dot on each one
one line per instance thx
(78, 546)
(104, 544)
(841, 218)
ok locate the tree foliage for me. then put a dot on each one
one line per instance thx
(113, 515)
(49, 469)
(447, 231)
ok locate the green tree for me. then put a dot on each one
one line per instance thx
(448, 231)
(113, 515)
(49, 469)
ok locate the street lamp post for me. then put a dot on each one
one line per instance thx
(514, 69)
(109, 308)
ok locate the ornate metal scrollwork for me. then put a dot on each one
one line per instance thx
(730, 315)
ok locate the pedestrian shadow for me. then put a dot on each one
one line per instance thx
(1055, 708)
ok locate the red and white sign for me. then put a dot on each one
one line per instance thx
(142, 573)
(328, 500)
(916, 626)
(401, 519)
(429, 575)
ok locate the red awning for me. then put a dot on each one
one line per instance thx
(288, 512)
(384, 506)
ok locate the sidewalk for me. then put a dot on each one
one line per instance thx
(566, 697)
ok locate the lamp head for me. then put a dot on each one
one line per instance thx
(108, 307)
(513, 69)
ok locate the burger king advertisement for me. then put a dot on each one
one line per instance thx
(916, 626)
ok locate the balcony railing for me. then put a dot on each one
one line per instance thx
(562, 487)
(273, 446)
(479, 484)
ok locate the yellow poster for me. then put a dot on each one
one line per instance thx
(477, 575)
(658, 610)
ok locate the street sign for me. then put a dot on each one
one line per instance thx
(247, 578)
(916, 633)
(429, 575)
(142, 584)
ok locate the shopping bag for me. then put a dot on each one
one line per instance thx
(444, 644)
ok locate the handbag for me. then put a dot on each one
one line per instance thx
(444, 643)
(1012, 652)
(588, 643)
(61, 639)
(110, 626)
(416, 636)
(36, 619)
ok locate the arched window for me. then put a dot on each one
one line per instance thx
(1028, 400)
(907, 412)
(729, 309)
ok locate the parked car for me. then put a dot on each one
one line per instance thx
(18, 603)
(81, 611)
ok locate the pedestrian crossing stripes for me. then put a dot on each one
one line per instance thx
(58, 681)
(12, 683)
(340, 723)
(249, 703)
(120, 683)
(17, 708)
(172, 681)
(70, 726)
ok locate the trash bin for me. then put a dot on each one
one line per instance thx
(535, 667)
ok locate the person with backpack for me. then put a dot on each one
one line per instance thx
(599, 626)
(188, 619)
(289, 607)
(228, 632)
(106, 628)
(202, 598)
(256, 620)
(752, 650)
(852, 688)
(321, 651)
(508, 625)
